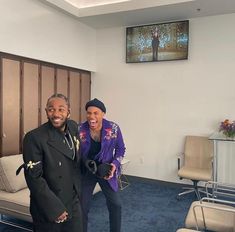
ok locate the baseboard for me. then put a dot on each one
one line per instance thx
(149, 180)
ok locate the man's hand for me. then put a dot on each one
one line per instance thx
(111, 172)
(63, 217)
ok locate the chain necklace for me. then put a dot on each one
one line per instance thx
(71, 147)
(70, 138)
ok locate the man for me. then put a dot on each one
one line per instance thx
(102, 149)
(155, 43)
(52, 170)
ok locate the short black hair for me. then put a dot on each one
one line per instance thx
(59, 95)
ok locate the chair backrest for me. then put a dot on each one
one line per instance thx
(198, 152)
(214, 215)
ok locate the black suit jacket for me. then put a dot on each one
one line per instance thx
(54, 177)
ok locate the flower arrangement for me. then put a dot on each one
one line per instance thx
(228, 128)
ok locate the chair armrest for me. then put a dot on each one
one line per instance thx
(217, 207)
(216, 200)
(220, 188)
(180, 159)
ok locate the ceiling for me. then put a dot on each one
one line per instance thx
(100, 14)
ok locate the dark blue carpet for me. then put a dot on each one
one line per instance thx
(148, 206)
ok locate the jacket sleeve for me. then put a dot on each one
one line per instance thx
(119, 150)
(49, 204)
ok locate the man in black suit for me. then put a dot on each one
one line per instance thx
(52, 170)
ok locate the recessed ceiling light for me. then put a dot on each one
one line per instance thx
(91, 3)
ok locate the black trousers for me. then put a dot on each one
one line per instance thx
(113, 201)
(155, 44)
(73, 224)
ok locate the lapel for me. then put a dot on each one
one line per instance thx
(73, 130)
(57, 141)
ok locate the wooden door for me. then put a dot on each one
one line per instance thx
(62, 81)
(74, 95)
(30, 97)
(10, 120)
(85, 93)
(47, 89)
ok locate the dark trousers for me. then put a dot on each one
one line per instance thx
(155, 44)
(73, 224)
(113, 201)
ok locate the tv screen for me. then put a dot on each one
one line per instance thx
(157, 42)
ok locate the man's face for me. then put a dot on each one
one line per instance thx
(57, 112)
(94, 117)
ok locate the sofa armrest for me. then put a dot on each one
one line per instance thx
(9, 182)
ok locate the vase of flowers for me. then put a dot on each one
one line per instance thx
(228, 128)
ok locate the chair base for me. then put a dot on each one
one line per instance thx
(193, 189)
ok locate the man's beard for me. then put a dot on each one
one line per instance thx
(63, 125)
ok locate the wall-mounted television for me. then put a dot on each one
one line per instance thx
(157, 42)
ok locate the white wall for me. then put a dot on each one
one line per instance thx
(31, 29)
(157, 104)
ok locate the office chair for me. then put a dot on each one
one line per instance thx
(216, 213)
(198, 156)
(211, 215)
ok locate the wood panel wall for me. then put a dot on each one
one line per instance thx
(25, 86)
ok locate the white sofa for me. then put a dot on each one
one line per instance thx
(14, 194)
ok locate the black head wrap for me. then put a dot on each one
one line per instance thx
(97, 103)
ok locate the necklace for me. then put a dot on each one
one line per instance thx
(70, 144)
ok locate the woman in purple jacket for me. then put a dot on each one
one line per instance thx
(102, 149)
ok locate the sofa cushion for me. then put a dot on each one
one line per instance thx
(9, 182)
